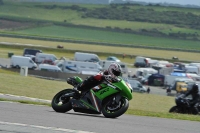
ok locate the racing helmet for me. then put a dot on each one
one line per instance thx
(114, 70)
(195, 88)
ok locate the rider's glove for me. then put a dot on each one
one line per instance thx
(108, 78)
(181, 96)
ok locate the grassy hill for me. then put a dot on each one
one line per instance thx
(108, 36)
(146, 25)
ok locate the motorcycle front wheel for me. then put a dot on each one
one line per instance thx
(112, 110)
(60, 105)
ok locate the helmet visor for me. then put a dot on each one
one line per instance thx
(116, 73)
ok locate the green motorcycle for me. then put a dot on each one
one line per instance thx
(111, 99)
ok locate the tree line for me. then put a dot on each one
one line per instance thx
(125, 12)
(145, 15)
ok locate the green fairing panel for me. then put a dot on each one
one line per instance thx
(125, 91)
(104, 92)
(78, 79)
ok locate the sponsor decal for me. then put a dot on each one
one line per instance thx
(71, 68)
(104, 90)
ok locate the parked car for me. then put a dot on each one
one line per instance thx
(47, 67)
(144, 79)
(50, 62)
(141, 61)
(70, 66)
(28, 51)
(137, 86)
(31, 53)
(113, 58)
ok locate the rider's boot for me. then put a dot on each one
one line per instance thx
(76, 94)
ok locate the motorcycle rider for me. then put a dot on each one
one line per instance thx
(195, 101)
(113, 71)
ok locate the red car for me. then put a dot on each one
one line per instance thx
(50, 62)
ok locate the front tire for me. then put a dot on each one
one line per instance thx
(121, 108)
(59, 105)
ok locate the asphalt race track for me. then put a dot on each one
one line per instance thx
(22, 118)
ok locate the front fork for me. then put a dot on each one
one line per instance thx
(115, 99)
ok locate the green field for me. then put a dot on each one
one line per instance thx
(141, 104)
(136, 26)
(110, 37)
(29, 11)
(107, 49)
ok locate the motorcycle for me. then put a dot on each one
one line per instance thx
(109, 98)
(183, 106)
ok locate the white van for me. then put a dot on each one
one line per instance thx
(87, 57)
(192, 69)
(79, 66)
(19, 61)
(194, 76)
(194, 64)
(145, 71)
(40, 57)
(169, 79)
(163, 63)
(105, 64)
(47, 67)
(153, 63)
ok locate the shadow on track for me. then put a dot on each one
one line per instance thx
(84, 114)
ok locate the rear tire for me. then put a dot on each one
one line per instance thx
(123, 106)
(174, 109)
(61, 106)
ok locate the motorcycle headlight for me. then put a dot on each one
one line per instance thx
(129, 87)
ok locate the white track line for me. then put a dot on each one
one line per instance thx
(42, 127)
(23, 98)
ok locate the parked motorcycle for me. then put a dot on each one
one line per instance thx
(183, 106)
(109, 98)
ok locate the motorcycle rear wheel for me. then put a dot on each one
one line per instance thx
(59, 105)
(119, 109)
(174, 109)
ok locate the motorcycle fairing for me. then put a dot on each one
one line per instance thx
(89, 103)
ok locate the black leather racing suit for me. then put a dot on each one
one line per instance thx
(92, 81)
(195, 101)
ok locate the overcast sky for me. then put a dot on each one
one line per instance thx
(183, 2)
